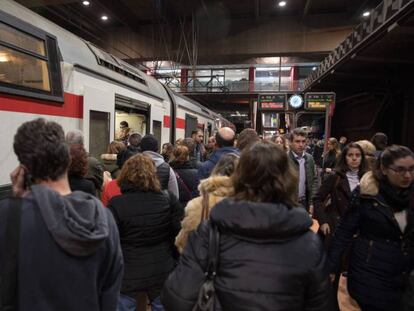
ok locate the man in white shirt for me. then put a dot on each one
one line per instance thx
(308, 181)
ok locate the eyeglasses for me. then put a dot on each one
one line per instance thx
(402, 170)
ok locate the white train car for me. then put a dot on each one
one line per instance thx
(46, 71)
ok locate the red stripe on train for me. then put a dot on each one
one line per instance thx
(71, 108)
(179, 123)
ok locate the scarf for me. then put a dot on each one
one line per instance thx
(397, 198)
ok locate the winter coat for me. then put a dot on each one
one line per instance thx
(206, 167)
(216, 188)
(95, 173)
(125, 154)
(68, 244)
(268, 260)
(187, 180)
(165, 173)
(81, 184)
(110, 190)
(109, 163)
(381, 255)
(311, 176)
(337, 187)
(148, 223)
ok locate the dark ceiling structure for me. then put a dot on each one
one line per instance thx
(162, 20)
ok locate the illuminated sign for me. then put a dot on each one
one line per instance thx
(272, 102)
(319, 101)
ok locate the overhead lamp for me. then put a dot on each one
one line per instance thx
(104, 17)
(86, 3)
(366, 14)
(282, 3)
(314, 68)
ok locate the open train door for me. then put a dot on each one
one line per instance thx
(98, 119)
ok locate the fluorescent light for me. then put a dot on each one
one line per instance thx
(366, 14)
(86, 3)
(104, 17)
(282, 3)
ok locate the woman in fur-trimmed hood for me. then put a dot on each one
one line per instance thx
(212, 190)
(381, 211)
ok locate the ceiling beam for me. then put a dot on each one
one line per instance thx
(40, 3)
(307, 7)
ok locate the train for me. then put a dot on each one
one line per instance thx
(48, 72)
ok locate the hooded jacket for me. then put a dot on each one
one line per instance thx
(382, 256)
(204, 170)
(216, 188)
(268, 260)
(69, 256)
(164, 172)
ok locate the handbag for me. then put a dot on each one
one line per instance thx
(207, 297)
(8, 280)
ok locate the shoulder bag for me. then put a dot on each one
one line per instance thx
(207, 297)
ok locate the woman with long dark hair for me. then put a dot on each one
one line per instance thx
(268, 258)
(381, 213)
(334, 194)
(331, 156)
(148, 220)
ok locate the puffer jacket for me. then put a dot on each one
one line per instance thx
(268, 260)
(148, 223)
(216, 188)
(382, 256)
(187, 180)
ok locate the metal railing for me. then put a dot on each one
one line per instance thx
(237, 87)
(382, 17)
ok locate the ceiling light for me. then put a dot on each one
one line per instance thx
(282, 3)
(366, 14)
(104, 17)
(314, 68)
(86, 3)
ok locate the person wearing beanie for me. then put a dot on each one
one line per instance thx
(149, 146)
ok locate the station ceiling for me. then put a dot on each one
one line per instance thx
(158, 19)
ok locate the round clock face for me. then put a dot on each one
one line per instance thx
(296, 101)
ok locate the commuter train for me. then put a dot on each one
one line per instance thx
(46, 71)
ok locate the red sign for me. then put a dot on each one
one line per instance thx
(272, 105)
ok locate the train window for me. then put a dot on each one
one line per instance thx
(21, 69)
(20, 39)
(29, 61)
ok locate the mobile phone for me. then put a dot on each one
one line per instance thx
(28, 181)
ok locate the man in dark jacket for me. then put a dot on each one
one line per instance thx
(199, 150)
(133, 147)
(69, 251)
(166, 176)
(225, 144)
(308, 180)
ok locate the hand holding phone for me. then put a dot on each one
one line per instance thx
(19, 186)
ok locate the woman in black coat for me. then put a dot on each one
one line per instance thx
(381, 212)
(334, 194)
(330, 157)
(268, 258)
(78, 169)
(186, 174)
(148, 220)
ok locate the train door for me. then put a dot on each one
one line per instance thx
(135, 112)
(190, 124)
(156, 130)
(98, 116)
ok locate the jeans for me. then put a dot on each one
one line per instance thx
(126, 303)
(156, 304)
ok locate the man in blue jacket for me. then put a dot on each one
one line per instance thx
(69, 254)
(225, 144)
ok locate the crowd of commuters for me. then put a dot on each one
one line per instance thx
(240, 223)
